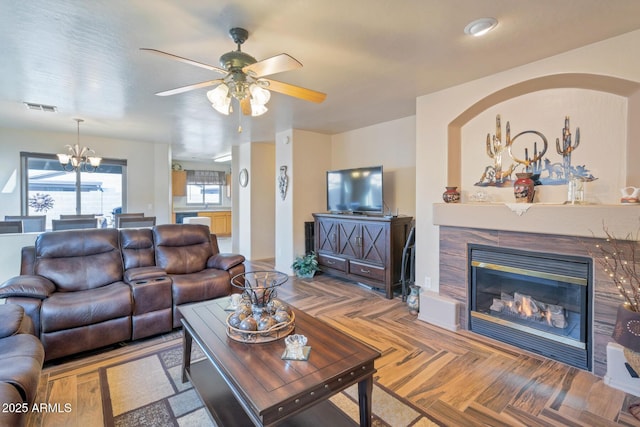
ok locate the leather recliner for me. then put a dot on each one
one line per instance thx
(76, 294)
(22, 357)
(197, 270)
(86, 289)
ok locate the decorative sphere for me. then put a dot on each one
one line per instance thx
(266, 322)
(248, 324)
(281, 316)
(236, 318)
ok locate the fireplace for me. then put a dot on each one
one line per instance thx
(539, 302)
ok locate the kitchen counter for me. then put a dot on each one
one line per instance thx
(196, 210)
(220, 218)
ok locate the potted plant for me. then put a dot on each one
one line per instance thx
(305, 266)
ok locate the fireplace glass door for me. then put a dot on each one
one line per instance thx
(538, 302)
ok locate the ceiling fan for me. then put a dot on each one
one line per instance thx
(244, 79)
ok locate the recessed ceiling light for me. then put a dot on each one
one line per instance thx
(480, 27)
(225, 158)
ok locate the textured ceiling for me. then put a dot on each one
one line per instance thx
(371, 57)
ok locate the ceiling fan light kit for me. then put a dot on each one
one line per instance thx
(244, 79)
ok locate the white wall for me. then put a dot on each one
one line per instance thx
(10, 256)
(284, 208)
(307, 157)
(390, 144)
(148, 168)
(263, 188)
(241, 214)
(148, 179)
(311, 159)
(254, 205)
(434, 113)
(601, 117)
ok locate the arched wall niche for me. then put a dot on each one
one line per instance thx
(622, 87)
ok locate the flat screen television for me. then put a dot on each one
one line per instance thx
(357, 190)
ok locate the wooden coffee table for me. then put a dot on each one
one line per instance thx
(243, 384)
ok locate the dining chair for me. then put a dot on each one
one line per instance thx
(30, 223)
(126, 215)
(10, 227)
(73, 224)
(136, 222)
(80, 216)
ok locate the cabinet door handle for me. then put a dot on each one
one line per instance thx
(330, 262)
(362, 270)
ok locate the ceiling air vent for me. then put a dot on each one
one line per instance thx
(41, 107)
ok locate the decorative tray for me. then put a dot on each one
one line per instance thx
(276, 332)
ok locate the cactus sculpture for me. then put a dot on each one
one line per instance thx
(495, 149)
(567, 147)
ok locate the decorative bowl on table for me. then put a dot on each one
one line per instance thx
(260, 317)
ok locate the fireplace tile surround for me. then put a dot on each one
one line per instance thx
(497, 226)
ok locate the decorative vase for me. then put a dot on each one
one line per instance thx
(626, 332)
(413, 299)
(524, 188)
(452, 195)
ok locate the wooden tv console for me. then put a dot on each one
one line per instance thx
(366, 249)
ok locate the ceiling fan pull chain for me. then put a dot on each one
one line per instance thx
(239, 120)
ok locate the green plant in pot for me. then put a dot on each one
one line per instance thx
(305, 266)
(618, 259)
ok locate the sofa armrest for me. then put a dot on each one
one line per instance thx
(28, 286)
(137, 274)
(11, 318)
(224, 261)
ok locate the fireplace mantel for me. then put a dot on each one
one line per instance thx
(556, 219)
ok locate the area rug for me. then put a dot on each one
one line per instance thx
(148, 391)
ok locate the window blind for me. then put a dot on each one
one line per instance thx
(206, 177)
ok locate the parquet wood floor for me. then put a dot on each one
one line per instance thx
(458, 379)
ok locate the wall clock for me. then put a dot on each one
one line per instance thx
(243, 177)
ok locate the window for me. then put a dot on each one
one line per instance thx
(205, 187)
(48, 189)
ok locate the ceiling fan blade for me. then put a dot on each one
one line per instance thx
(185, 60)
(190, 87)
(295, 91)
(245, 106)
(273, 65)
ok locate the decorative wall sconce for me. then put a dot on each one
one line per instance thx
(283, 182)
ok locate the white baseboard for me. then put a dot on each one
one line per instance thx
(439, 310)
(617, 374)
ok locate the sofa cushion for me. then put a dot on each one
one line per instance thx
(137, 247)
(201, 286)
(66, 310)
(14, 320)
(182, 248)
(77, 260)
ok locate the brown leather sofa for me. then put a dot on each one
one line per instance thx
(22, 356)
(85, 289)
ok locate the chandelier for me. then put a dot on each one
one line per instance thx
(79, 159)
(242, 88)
